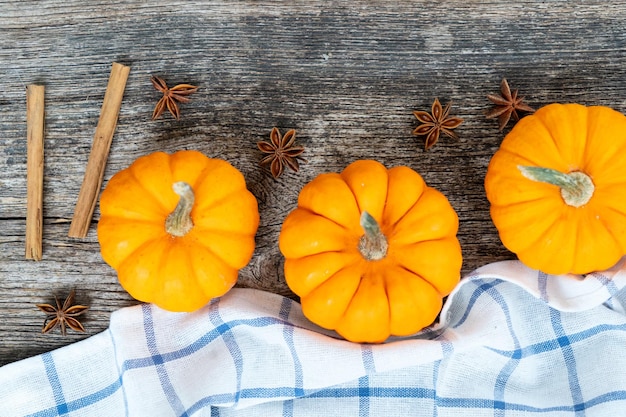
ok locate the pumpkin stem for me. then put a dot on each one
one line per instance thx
(576, 187)
(179, 223)
(373, 244)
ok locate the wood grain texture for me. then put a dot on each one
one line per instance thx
(345, 75)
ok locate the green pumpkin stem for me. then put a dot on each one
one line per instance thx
(373, 244)
(576, 187)
(179, 223)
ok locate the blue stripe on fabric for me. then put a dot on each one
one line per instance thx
(514, 360)
(553, 344)
(202, 341)
(229, 341)
(364, 396)
(542, 279)
(608, 283)
(82, 402)
(484, 403)
(120, 372)
(447, 349)
(482, 286)
(387, 392)
(570, 360)
(288, 408)
(158, 361)
(55, 384)
(282, 392)
(374, 392)
(436, 366)
(285, 309)
(367, 356)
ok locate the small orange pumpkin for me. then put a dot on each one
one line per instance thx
(371, 251)
(556, 188)
(177, 228)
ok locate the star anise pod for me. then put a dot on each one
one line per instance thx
(507, 105)
(435, 123)
(62, 315)
(281, 152)
(171, 97)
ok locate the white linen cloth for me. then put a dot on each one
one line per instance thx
(511, 342)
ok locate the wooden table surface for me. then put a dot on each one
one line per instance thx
(346, 75)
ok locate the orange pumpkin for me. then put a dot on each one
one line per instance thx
(556, 188)
(371, 251)
(177, 228)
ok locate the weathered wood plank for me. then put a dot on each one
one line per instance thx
(346, 76)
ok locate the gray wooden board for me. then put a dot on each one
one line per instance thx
(345, 75)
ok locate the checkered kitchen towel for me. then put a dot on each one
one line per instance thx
(512, 342)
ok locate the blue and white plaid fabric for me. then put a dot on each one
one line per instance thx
(512, 342)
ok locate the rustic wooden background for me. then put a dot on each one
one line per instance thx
(345, 75)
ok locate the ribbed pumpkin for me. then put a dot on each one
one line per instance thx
(557, 188)
(177, 228)
(371, 251)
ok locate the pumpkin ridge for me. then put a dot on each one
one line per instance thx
(360, 194)
(616, 210)
(219, 232)
(609, 230)
(229, 198)
(530, 242)
(353, 264)
(387, 296)
(559, 151)
(511, 146)
(418, 276)
(398, 247)
(128, 259)
(547, 234)
(219, 201)
(306, 298)
(428, 191)
(587, 151)
(141, 248)
(193, 277)
(392, 226)
(148, 193)
(526, 159)
(200, 176)
(206, 171)
(123, 218)
(159, 292)
(591, 157)
(327, 218)
(340, 322)
(522, 201)
(162, 295)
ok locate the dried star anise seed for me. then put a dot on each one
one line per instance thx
(435, 123)
(63, 315)
(171, 97)
(281, 151)
(507, 105)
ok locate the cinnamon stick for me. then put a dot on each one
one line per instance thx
(103, 137)
(34, 170)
